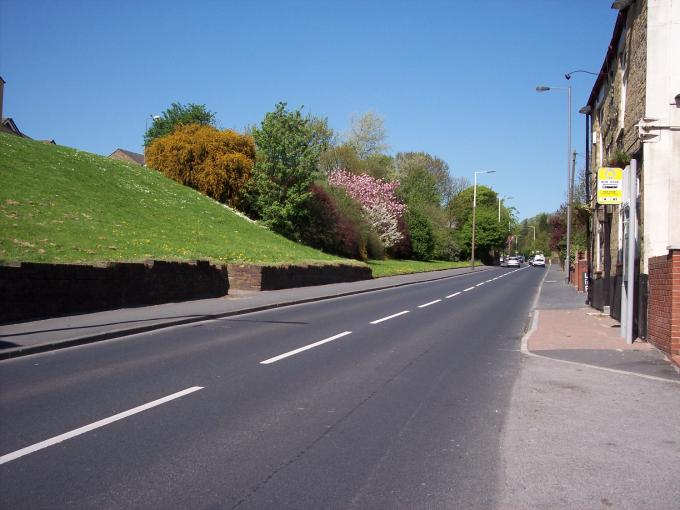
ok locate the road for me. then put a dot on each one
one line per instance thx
(389, 399)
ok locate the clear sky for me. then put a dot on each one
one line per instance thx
(453, 78)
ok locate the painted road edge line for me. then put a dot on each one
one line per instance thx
(389, 317)
(304, 348)
(92, 426)
(468, 289)
(452, 295)
(430, 303)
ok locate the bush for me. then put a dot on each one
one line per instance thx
(216, 163)
(337, 226)
(446, 246)
(422, 237)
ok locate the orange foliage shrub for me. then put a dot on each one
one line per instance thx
(216, 163)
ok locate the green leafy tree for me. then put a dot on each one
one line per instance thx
(178, 115)
(422, 235)
(288, 149)
(415, 165)
(490, 234)
(367, 135)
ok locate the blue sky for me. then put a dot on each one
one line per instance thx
(453, 78)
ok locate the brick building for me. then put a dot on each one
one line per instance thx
(127, 156)
(634, 112)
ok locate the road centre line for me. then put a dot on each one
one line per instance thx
(389, 317)
(430, 303)
(304, 348)
(479, 284)
(452, 295)
(92, 426)
(468, 289)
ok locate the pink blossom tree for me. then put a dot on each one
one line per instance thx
(380, 205)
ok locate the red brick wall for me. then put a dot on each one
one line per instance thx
(251, 277)
(31, 290)
(663, 315)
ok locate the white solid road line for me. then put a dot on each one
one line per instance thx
(430, 303)
(452, 295)
(389, 317)
(87, 428)
(479, 284)
(306, 347)
(468, 289)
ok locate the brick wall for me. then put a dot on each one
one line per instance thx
(663, 316)
(46, 290)
(252, 277)
(31, 291)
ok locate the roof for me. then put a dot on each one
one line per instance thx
(10, 126)
(136, 157)
(611, 54)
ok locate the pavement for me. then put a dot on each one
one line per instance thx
(22, 338)
(591, 419)
(565, 328)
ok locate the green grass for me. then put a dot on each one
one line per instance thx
(395, 267)
(59, 204)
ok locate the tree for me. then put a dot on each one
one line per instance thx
(216, 163)
(422, 235)
(414, 165)
(378, 199)
(367, 135)
(489, 232)
(288, 149)
(178, 115)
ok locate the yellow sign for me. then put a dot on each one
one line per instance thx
(609, 186)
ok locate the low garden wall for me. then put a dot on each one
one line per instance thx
(254, 277)
(33, 291)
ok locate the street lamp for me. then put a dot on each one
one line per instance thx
(474, 212)
(533, 246)
(568, 89)
(500, 199)
(152, 117)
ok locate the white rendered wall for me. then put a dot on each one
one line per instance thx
(662, 157)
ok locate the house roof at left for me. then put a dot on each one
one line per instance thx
(138, 158)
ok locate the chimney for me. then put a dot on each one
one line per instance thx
(2, 86)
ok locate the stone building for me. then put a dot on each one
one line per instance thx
(634, 113)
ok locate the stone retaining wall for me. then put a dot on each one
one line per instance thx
(31, 290)
(254, 277)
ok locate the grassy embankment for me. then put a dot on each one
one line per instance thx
(59, 204)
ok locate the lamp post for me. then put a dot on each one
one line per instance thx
(533, 246)
(474, 212)
(152, 117)
(500, 199)
(568, 89)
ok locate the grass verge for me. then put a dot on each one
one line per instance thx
(394, 267)
(59, 204)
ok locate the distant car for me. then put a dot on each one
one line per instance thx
(514, 262)
(539, 260)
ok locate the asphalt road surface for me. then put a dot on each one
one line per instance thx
(389, 399)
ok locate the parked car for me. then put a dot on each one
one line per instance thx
(514, 262)
(539, 261)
